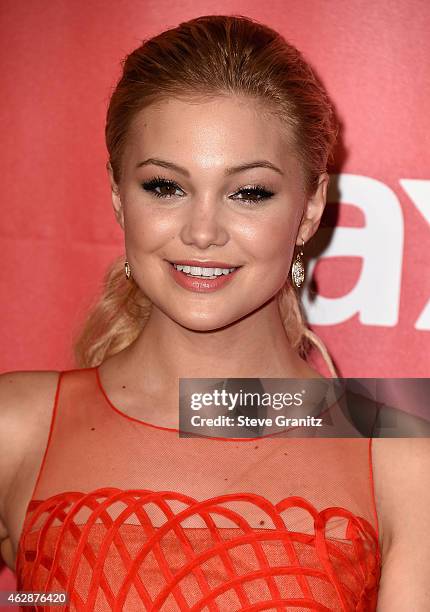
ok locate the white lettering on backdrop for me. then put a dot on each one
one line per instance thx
(376, 294)
(419, 192)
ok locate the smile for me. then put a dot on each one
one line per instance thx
(203, 272)
(201, 279)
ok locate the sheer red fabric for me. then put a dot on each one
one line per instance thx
(126, 515)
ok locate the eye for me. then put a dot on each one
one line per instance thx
(161, 187)
(166, 188)
(254, 194)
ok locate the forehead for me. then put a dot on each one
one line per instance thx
(214, 132)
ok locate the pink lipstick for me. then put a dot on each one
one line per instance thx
(199, 282)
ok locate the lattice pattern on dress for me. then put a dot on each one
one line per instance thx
(114, 549)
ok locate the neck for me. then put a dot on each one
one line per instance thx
(254, 347)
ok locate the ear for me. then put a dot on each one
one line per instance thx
(313, 210)
(116, 198)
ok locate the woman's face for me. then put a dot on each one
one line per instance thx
(214, 182)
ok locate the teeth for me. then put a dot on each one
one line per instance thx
(204, 272)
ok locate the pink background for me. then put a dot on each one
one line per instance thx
(59, 62)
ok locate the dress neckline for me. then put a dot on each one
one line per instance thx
(160, 427)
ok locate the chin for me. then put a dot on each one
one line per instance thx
(210, 323)
(201, 323)
(202, 326)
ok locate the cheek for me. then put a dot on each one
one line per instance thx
(273, 240)
(145, 230)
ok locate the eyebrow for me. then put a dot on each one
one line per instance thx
(262, 163)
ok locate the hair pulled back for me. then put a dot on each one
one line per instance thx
(210, 56)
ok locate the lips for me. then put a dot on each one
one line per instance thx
(201, 285)
(204, 264)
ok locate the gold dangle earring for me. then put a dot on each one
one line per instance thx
(297, 270)
(127, 270)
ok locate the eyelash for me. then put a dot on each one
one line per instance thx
(159, 181)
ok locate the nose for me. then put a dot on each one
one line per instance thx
(204, 225)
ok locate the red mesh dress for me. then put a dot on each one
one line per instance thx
(129, 516)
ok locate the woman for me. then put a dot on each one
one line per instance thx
(218, 136)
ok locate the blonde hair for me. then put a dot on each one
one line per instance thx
(209, 56)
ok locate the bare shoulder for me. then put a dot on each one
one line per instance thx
(402, 494)
(402, 486)
(19, 386)
(26, 402)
